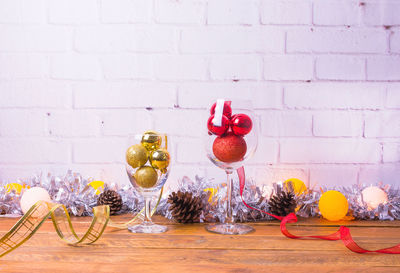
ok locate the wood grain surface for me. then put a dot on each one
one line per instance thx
(190, 248)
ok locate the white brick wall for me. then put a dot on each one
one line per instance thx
(77, 76)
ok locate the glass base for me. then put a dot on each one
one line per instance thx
(229, 229)
(147, 228)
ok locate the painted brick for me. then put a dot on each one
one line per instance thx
(139, 121)
(46, 39)
(129, 66)
(98, 150)
(235, 67)
(176, 67)
(286, 12)
(386, 173)
(293, 123)
(179, 12)
(225, 12)
(73, 12)
(381, 13)
(119, 38)
(340, 68)
(329, 151)
(336, 40)
(288, 67)
(266, 153)
(20, 123)
(48, 94)
(232, 40)
(22, 11)
(191, 151)
(337, 123)
(73, 123)
(26, 66)
(262, 95)
(22, 151)
(75, 67)
(125, 11)
(393, 96)
(181, 122)
(383, 68)
(334, 96)
(333, 176)
(382, 124)
(123, 95)
(395, 42)
(336, 13)
(391, 152)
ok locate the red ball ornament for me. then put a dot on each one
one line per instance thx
(227, 109)
(229, 148)
(218, 130)
(241, 124)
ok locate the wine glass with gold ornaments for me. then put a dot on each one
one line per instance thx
(230, 138)
(148, 166)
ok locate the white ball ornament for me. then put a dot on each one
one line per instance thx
(374, 196)
(31, 196)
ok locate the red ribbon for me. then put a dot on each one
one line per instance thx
(342, 234)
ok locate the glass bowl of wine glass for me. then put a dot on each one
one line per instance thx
(230, 139)
(148, 167)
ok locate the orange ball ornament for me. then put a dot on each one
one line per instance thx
(333, 205)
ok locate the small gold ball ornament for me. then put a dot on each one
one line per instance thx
(151, 140)
(136, 156)
(160, 159)
(146, 177)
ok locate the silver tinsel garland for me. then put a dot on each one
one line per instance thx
(73, 191)
(258, 197)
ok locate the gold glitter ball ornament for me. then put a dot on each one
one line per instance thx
(146, 177)
(136, 156)
(151, 140)
(160, 159)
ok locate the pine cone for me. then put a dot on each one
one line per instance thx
(111, 198)
(282, 204)
(184, 207)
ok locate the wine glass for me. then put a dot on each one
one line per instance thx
(148, 166)
(231, 139)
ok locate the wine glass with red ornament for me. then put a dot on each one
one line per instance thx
(231, 138)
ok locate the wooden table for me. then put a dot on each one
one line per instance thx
(189, 248)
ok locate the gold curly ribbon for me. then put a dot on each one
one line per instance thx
(29, 223)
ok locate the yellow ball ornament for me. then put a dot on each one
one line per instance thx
(298, 186)
(146, 177)
(136, 156)
(14, 186)
(151, 140)
(160, 159)
(97, 185)
(333, 205)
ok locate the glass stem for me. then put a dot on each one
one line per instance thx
(229, 217)
(147, 210)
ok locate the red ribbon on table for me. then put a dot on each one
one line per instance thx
(342, 234)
